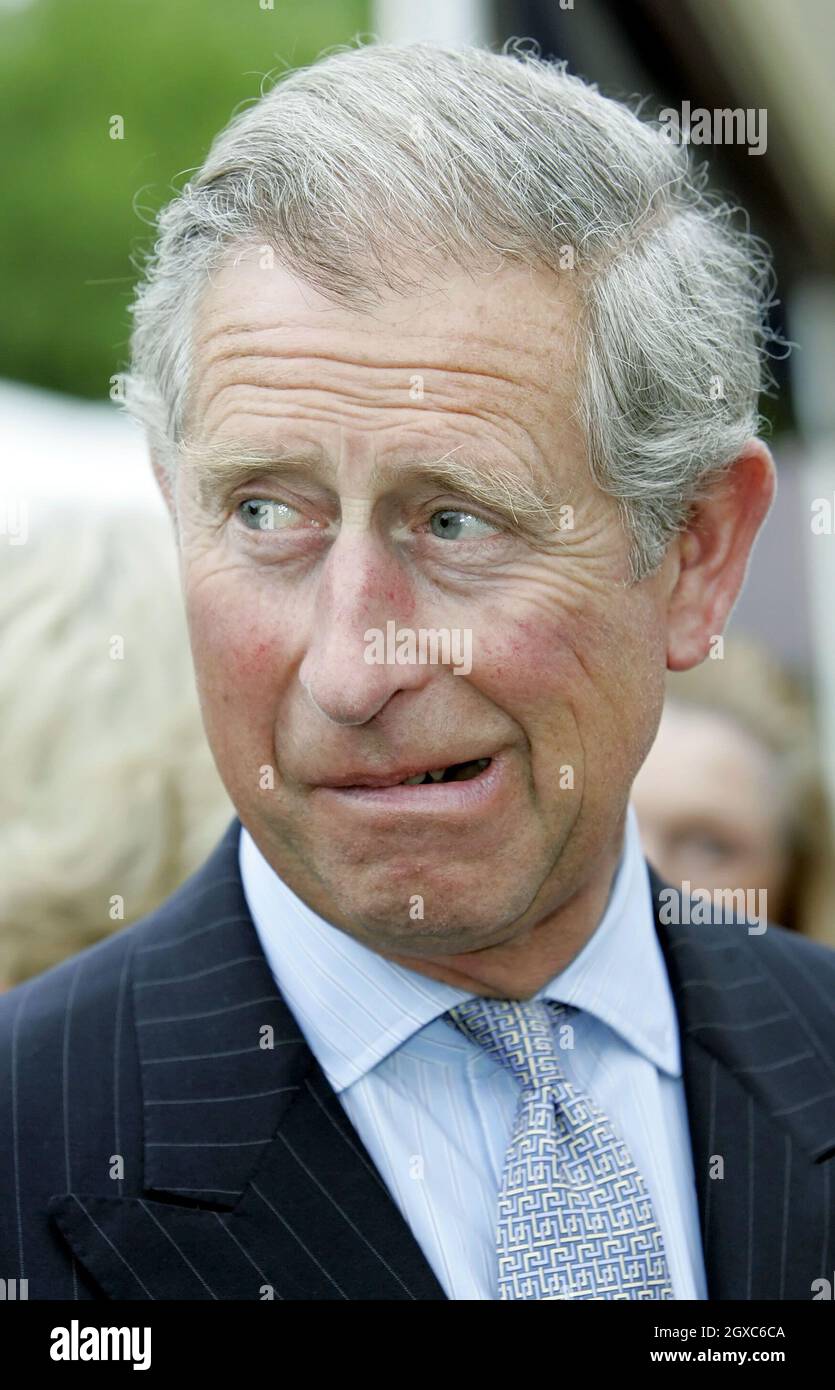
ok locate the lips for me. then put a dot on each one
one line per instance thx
(415, 777)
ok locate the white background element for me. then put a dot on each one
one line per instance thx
(56, 447)
(444, 21)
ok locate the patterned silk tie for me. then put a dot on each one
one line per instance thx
(575, 1219)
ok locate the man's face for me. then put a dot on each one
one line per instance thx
(286, 571)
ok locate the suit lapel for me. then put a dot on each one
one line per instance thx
(313, 1222)
(255, 1184)
(761, 1114)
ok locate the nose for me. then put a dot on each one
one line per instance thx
(362, 588)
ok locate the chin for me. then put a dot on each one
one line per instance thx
(421, 918)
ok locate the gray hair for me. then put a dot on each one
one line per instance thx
(380, 164)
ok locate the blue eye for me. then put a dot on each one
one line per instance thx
(455, 526)
(259, 514)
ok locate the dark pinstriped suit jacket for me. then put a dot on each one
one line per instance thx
(241, 1174)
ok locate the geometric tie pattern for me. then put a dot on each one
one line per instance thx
(575, 1220)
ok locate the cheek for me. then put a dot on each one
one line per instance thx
(582, 672)
(542, 659)
(239, 655)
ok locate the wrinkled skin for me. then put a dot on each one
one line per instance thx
(568, 655)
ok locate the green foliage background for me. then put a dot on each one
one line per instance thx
(76, 204)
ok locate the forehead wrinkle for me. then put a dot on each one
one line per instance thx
(442, 381)
(449, 391)
(475, 352)
(359, 380)
(477, 349)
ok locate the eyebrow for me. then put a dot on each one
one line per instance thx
(219, 467)
(222, 466)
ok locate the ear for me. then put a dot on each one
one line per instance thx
(164, 483)
(713, 554)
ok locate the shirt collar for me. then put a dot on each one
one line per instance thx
(619, 976)
(355, 1007)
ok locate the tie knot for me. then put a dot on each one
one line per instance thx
(516, 1033)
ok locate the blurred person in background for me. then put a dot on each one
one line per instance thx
(109, 797)
(731, 794)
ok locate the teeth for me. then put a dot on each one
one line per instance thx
(456, 772)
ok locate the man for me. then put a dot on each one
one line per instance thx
(440, 353)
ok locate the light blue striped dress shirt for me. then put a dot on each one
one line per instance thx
(436, 1112)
